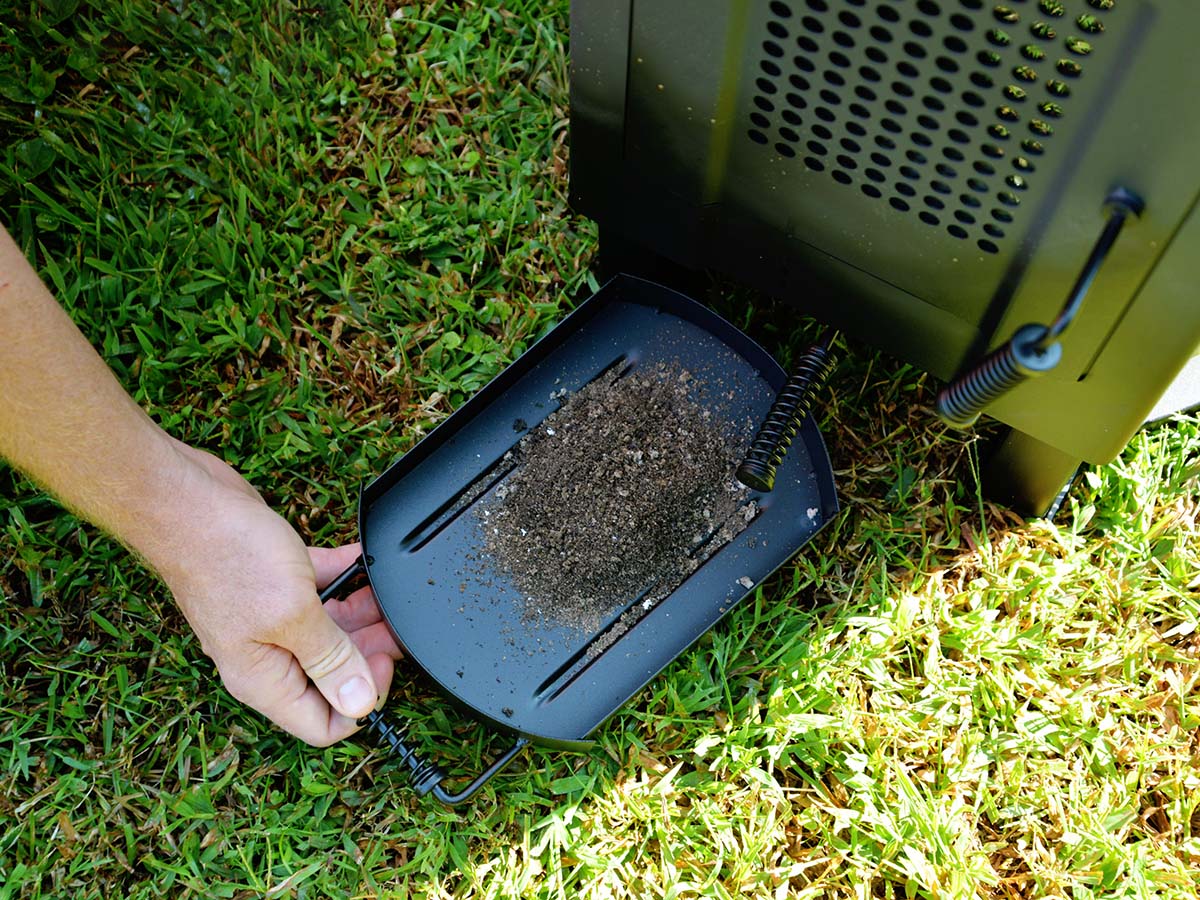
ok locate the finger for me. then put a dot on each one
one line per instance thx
(301, 710)
(329, 657)
(376, 639)
(330, 562)
(355, 612)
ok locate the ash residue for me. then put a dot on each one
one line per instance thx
(622, 491)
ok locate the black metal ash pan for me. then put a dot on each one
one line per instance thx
(459, 619)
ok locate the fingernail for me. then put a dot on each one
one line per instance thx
(357, 695)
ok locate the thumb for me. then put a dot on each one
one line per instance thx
(335, 665)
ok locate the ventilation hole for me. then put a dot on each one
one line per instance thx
(994, 230)
(929, 218)
(885, 142)
(999, 132)
(910, 172)
(855, 129)
(869, 74)
(843, 40)
(859, 110)
(812, 24)
(966, 118)
(799, 82)
(903, 187)
(760, 120)
(1025, 73)
(921, 140)
(968, 200)
(785, 150)
(871, 191)
(776, 29)
(957, 231)
(907, 69)
(767, 87)
(849, 19)
(972, 99)
(1008, 198)
(1007, 15)
(757, 136)
(807, 44)
(822, 132)
(881, 34)
(915, 50)
(993, 150)
(835, 79)
(929, 123)
(941, 85)
(781, 9)
(1058, 88)
(1043, 30)
(965, 217)
(929, 8)
(917, 156)
(876, 55)
(984, 168)
(824, 114)
(958, 136)
(1029, 145)
(1002, 215)
(1102, 4)
(1069, 67)
(946, 171)
(1089, 23)
(1015, 93)
(899, 204)
(874, 174)
(881, 160)
(987, 246)
(841, 60)
(1078, 46)
(847, 162)
(791, 118)
(955, 44)
(999, 38)
(841, 177)
(1017, 182)
(890, 125)
(982, 80)
(803, 63)
(788, 135)
(953, 153)
(773, 49)
(946, 64)
(977, 184)
(1033, 52)
(888, 14)
(813, 163)
(850, 146)
(1022, 164)
(941, 187)
(817, 147)
(796, 100)
(902, 89)
(962, 23)
(818, 5)
(764, 104)
(1007, 114)
(1052, 8)
(770, 68)
(989, 58)
(1053, 110)
(1038, 126)
(921, 29)
(830, 97)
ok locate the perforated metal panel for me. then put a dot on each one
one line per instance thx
(847, 90)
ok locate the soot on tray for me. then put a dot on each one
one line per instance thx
(617, 496)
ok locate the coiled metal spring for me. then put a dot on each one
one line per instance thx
(787, 413)
(425, 776)
(961, 402)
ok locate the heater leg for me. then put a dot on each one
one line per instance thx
(1028, 475)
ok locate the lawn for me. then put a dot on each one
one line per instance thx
(302, 235)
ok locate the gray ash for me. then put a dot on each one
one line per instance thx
(620, 493)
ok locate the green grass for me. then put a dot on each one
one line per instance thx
(302, 235)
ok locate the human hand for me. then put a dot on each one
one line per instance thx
(248, 587)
